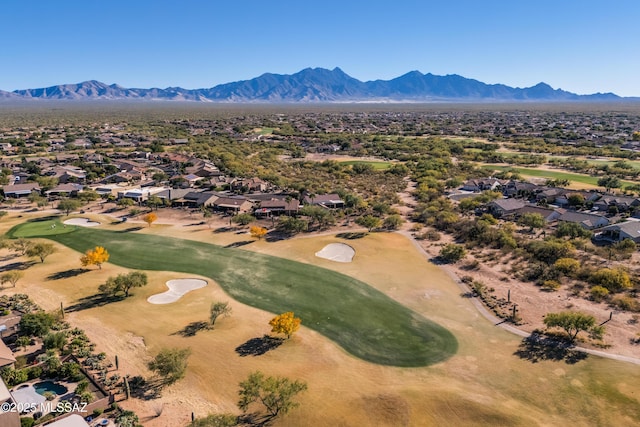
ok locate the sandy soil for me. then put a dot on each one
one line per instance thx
(177, 289)
(494, 270)
(82, 222)
(338, 252)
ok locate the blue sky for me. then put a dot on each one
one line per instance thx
(583, 47)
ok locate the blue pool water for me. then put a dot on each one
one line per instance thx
(45, 386)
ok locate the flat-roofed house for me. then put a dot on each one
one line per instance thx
(332, 201)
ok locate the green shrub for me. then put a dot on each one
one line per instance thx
(34, 372)
(452, 253)
(598, 293)
(551, 285)
(567, 266)
(549, 251)
(26, 422)
(614, 279)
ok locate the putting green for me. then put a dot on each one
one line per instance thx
(362, 320)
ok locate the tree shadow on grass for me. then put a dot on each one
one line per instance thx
(256, 419)
(67, 273)
(238, 244)
(130, 230)
(97, 300)
(192, 329)
(352, 235)
(223, 229)
(259, 346)
(17, 266)
(9, 257)
(44, 218)
(538, 347)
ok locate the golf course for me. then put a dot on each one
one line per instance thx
(359, 372)
(362, 320)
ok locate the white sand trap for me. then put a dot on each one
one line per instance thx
(338, 252)
(177, 288)
(82, 222)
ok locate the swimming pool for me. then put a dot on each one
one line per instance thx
(45, 386)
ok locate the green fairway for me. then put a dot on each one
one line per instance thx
(541, 173)
(364, 321)
(377, 165)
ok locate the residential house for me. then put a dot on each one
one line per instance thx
(7, 359)
(70, 189)
(330, 148)
(233, 204)
(110, 189)
(68, 174)
(332, 201)
(20, 190)
(621, 203)
(82, 143)
(505, 207)
(174, 195)
(520, 189)
(64, 159)
(203, 168)
(140, 194)
(548, 214)
(8, 418)
(207, 199)
(586, 220)
(620, 231)
(249, 184)
(549, 194)
(277, 206)
(481, 184)
(73, 420)
(192, 179)
(93, 158)
(562, 200)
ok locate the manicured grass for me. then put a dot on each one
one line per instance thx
(541, 173)
(264, 131)
(364, 321)
(376, 165)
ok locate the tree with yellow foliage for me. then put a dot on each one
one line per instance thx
(285, 323)
(96, 256)
(150, 218)
(257, 231)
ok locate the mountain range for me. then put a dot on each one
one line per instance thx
(318, 85)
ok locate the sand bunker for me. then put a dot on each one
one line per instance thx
(82, 222)
(338, 252)
(177, 288)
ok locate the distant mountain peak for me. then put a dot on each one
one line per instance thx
(318, 85)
